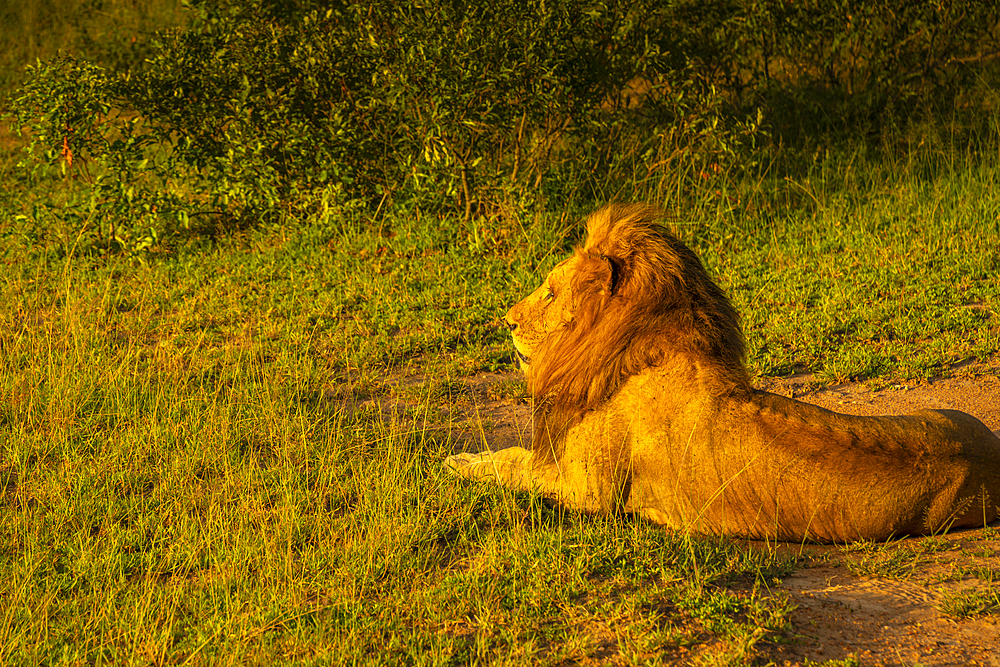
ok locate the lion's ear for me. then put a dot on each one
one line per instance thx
(596, 276)
(615, 271)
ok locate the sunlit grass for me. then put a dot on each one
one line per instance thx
(971, 602)
(202, 460)
(181, 483)
(195, 467)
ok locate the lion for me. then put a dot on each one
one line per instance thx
(634, 358)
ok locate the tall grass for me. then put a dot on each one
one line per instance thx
(865, 261)
(179, 488)
(205, 459)
(195, 466)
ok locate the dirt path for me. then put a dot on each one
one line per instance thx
(885, 620)
(880, 605)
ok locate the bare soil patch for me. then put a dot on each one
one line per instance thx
(880, 620)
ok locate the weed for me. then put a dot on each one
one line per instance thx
(888, 560)
(850, 661)
(970, 602)
(516, 389)
(987, 533)
(934, 543)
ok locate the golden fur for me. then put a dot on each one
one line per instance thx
(643, 404)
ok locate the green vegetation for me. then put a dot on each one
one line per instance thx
(264, 111)
(113, 32)
(206, 454)
(850, 661)
(191, 471)
(971, 602)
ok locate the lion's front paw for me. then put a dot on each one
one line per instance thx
(509, 466)
(462, 464)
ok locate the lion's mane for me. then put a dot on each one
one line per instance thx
(640, 296)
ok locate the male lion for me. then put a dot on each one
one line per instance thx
(642, 404)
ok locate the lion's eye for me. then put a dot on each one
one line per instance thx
(551, 295)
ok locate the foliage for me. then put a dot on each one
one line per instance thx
(839, 63)
(250, 113)
(261, 109)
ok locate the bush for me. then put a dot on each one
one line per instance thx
(841, 64)
(263, 109)
(111, 32)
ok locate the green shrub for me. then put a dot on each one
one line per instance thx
(267, 110)
(840, 64)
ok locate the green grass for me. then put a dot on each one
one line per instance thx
(971, 602)
(194, 468)
(891, 274)
(188, 479)
(890, 560)
(191, 475)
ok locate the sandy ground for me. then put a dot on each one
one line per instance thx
(840, 615)
(883, 621)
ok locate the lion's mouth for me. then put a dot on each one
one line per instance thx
(522, 360)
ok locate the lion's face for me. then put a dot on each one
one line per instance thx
(542, 313)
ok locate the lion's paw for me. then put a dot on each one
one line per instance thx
(461, 464)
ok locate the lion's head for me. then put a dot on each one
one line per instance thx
(630, 298)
